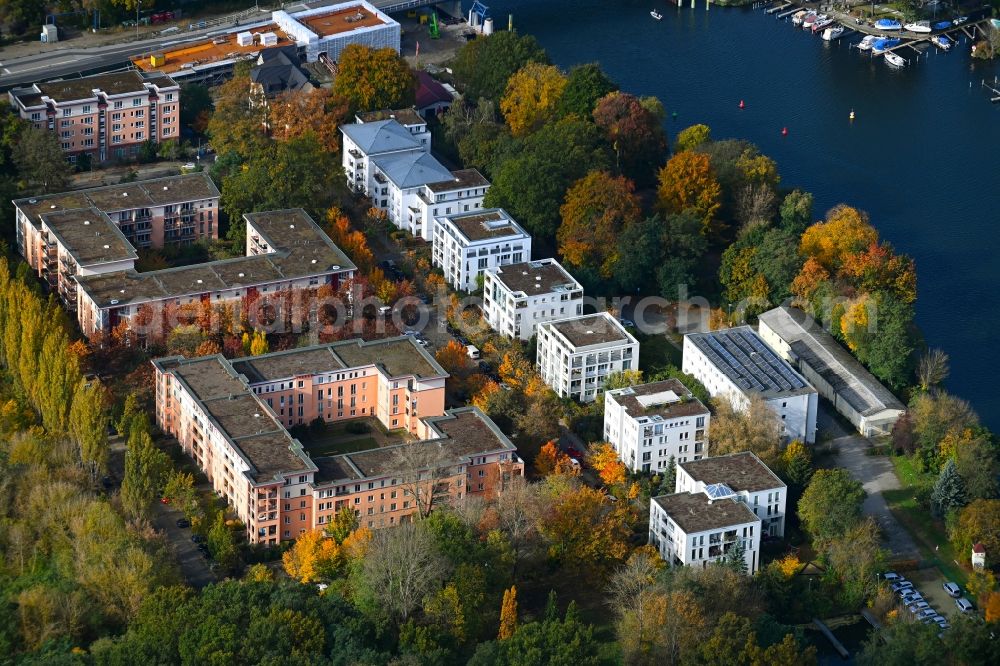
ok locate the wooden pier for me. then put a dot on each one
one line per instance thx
(778, 8)
(993, 90)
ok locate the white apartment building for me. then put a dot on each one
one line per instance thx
(466, 245)
(697, 529)
(736, 363)
(387, 157)
(518, 297)
(576, 355)
(751, 481)
(651, 423)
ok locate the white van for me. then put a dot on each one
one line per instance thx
(472, 351)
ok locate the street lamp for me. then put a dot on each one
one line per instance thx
(137, 5)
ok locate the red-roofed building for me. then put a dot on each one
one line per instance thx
(433, 97)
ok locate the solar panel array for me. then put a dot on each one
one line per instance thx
(745, 359)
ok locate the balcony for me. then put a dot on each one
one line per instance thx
(355, 153)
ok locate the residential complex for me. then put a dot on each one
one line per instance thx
(231, 417)
(833, 370)
(736, 363)
(699, 528)
(287, 253)
(105, 116)
(750, 480)
(651, 424)
(576, 355)
(466, 245)
(517, 297)
(386, 155)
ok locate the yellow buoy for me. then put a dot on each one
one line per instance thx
(852, 114)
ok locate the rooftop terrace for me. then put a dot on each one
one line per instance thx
(486, 224)
(536, 277)
(740, 471)
(667, 399)
(68, 90)
(694, 512)
(340, 21)
(185, 57)
(592, 329)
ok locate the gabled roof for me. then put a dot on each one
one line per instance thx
(430, 91)
(380, 137)
(278, 70)
(412, 169)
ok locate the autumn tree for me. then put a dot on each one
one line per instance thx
(222, 544)
(181, 490)
(797, 463)
(550, 460)
(976, 523)
(756, 428)
(596, 210)
(531, 97)
(342, 525)
(297, 112)
(687, 183)
(484, 66)
(145, 470)
(41, 162)
(88, 421)
(401, 566)
(831, 504)
(692, 137)
(348, 239)
(845, 231)
(314, 557)
(508, 614)
(635, 133)
(372, 79)
(932, 369)
(235, 127)
(517, 510)
(582, 526)
(604, 459)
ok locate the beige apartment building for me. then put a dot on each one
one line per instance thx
(105, 116)
(232, 417)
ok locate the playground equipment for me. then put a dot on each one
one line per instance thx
(433, 28)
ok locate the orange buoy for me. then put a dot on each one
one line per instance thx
(784, 131)
(742, 104)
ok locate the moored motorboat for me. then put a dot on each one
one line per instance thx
(941, 42)
(888, 24)
(655, 14)
(919, 26)
(868, 42)
(822, 23)
(808, 20)
(884, 44)
(894, 60)
(833, 33)
(942, 25)
(959, 20)
(798, 16)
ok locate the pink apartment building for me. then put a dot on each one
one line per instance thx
(232, 417)
(105, 116)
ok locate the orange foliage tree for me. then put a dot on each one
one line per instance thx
(604, 459)
(314, 556)
(550, 460)
(508, 614)
(846, 231)
(597, 209)
(351, 241)
(296, 112)
(688, 183)
(878, 268)
(531, 97)
(810, 278)
(991, 607)
(584, 528)
(371, 79)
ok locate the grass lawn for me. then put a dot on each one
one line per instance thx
(928, 531)
(327, 445)
(656, 352)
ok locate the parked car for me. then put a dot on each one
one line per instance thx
(964, 605)
(927, 612)
(183, 522)
(164, 500)
(197, 538)
(902, 585)
(892, 577)
(908, 599)
(573, 453)
(919, 606)
(952, 589)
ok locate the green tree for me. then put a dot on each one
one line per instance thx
(483, 66)
(796, 211)
(181, 491)
(976, 462)
(639, 253)
(692, 137)
(888, 351)
(797, 463)
(831, 504)
(41, 162)
(586, 84)
(130, 409)
(551, 642)
(372, 79)
(735, 558)
(976, 523)
(145, 471)
(949, 490)
(88, 420)
(342, 525)
(196, 107)
(222, 543)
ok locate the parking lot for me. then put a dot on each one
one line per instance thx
(929, 584)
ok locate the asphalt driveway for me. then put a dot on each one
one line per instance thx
(194, 567)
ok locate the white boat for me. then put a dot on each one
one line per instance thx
(821, 23)
(867, 43)
(894, 60)
(655, 14)
(798, 16)
(919, 26)
(833, 33)
(810, 18)
(941, 42)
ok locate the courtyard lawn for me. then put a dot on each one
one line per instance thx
(656, 352)
(927, 530)
(326, 445)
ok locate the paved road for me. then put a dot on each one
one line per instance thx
(193, 565)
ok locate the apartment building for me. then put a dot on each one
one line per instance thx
(736, 363)
(699, 528)
(105, 116)
(222, 419)
(466, 245)
(287, 253)
(518, 297)
(387, 156)
(576, 355)
(837, 375)
(750, 480)
(650, 424)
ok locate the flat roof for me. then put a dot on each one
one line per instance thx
(535, 277)
(340, 21)
(740, 471)
(402, 116)
(667, 399)
(827, 358)
(461, 179)
(67, 90)
(397, 357)
(591, 329)
(187, 57)
(253, 431)
(487, 224)
(693, 512)
(748, 362)
(301, 250)
(463, 433)
(89, 236)
(125, 196)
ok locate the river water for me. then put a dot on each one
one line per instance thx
(922, 156)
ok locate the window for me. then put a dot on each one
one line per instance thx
(140, 135)
(67, 113)
(119, 104)
(137, 101)
(36, 116)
